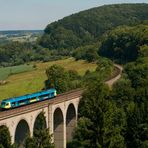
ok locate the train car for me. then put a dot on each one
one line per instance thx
(27, 99)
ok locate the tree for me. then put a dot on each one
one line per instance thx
(123, 93)
(101, 122)
(87, 27)
(104, 67)
(137, 73)
(30, 142)
(1, 146)
(41, 136)
(58, 78)
(136, 134)
(62, 80)
(123, 43)
(5, 138)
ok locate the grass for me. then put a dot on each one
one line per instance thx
(7, 71)
(33, 81)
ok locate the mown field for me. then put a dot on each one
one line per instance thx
(32, 81)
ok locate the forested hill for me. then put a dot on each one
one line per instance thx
(87, 26)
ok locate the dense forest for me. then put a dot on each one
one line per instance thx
(87, 26)
(117, 117)
(125, 44)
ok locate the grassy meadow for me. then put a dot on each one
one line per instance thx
(7, 71)
(32, 81)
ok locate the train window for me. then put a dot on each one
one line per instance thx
(21, 102)
(3, 103)
(7, 104)
(13, 103)
(44, 95)
(32, 98)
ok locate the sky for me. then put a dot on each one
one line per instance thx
(36, 14)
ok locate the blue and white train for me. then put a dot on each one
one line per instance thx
(27, 99)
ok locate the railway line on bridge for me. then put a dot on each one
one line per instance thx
(30, 107)
(60, 98)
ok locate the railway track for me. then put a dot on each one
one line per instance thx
(60, 98)
(116, 75)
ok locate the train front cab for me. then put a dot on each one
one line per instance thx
(5, 105)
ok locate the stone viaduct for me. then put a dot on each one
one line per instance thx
(60, 114)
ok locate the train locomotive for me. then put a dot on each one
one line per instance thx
(27, 99)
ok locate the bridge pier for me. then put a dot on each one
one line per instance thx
(64, 134)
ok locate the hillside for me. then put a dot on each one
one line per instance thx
(79, 32)
(87, 26)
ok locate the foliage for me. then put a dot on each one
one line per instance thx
(86, 27)
(137, 73)
(40, 123)
(117, 118)
(123, 93)
(137, 125)
(5, 138)
(81, 31)
(16, 53)
(143, 51)
(124, 44)
(131, 94)
(41, 137)
(104, 70)
(30, 142)
(104, 67)
(101, 122)
(60, 79)
(63, 80)
(88, 53)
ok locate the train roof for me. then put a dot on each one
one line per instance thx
(28, 96)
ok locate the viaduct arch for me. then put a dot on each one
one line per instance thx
(21, 131)
(58, 128)
(40, 122)
(70, 122)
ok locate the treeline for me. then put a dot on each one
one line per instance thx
(87, 27)
(123, 44)
(16, 53)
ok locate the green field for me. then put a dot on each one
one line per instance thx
(32, 81)
(7, 71)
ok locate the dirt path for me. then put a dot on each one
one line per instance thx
(111, 81)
